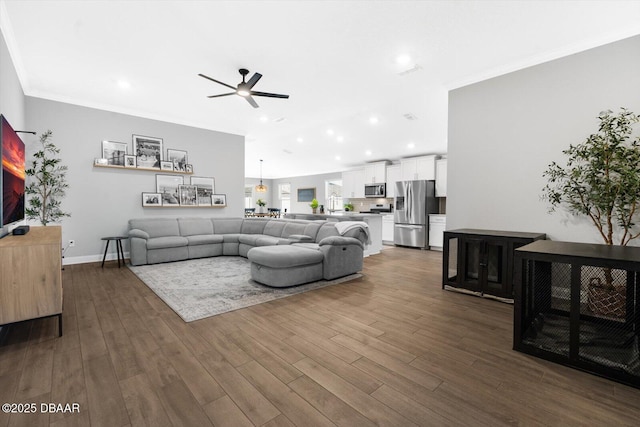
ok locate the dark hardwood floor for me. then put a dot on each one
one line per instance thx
(389, 349)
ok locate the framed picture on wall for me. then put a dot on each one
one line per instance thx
(188, 195)
(129, 161)
(178, 158)
(114, 152)
(148, 151)
(151, 199)
(206, 188)
(306, 194)
(167, 185)
(219, 200)
(166, 166)
(189, 168)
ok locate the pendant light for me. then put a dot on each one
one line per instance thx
(261, 188)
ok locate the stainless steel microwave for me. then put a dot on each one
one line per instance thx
(375, 190)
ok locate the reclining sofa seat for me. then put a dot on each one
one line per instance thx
(156, 240)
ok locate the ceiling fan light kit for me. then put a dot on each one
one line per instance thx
(244, 88)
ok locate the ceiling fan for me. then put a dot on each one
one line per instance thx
(244, 88)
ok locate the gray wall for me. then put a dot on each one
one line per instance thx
(102, 200)
(12, 100)
(504, 132)
(309, 181)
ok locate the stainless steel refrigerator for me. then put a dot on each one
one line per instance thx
(414, 201)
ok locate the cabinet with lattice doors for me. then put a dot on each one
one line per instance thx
(577, 304)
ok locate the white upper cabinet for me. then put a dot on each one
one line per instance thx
(353, 184)
(375, 173)
(393, 175)
(441, 178)
(418, 168)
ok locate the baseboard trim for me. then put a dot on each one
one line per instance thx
(91, 258)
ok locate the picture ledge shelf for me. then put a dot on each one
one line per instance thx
(143, 169)
(186, 206)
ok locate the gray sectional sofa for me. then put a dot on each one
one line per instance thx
(282, 252)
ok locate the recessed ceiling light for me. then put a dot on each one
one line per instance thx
(403, 60)
(123, 84)
(300, 140)
(373, 120)
(340, 138)
(368, 152)
(264, 119)
(329, 132)
(337, 157)
(411, 145)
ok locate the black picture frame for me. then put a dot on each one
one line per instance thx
(306, 194)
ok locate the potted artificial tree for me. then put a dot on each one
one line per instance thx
(48, 183)
(314, 205)
(601, 181)
(261, 204)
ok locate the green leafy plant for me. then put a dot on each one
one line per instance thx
(348, 207)
(261, 203)
(48, 183)
(601, 179)
(314, 204)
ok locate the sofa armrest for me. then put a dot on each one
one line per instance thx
(138, 233)
(340, 241)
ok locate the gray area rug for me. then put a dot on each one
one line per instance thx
(204, 287)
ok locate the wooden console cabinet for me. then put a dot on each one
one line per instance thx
(31, 276)
(481, 261)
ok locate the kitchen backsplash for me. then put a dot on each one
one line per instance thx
(363, 204)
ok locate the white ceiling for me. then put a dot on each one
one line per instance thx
(336, 60)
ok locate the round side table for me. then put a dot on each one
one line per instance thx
(119, 250)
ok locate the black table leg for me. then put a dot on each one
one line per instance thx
(105, 253)
(120, 251)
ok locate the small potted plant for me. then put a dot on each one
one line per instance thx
(348, 207)
(261, 204)
(314, 205)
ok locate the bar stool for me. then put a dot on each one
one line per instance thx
(119, 250)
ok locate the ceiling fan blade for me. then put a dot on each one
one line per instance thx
(254, 79)
(270, 95)
(219, 82)
(218, 96)
(251, 101)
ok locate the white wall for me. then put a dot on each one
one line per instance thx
(504, 132)
(102, 200)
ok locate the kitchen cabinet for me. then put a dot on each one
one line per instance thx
(31, 276)
(375, 173)
(437, 225)
(353, 184)
(393, 175)
(415, 168)
(387, 228)
(441, 178)
(481, 261)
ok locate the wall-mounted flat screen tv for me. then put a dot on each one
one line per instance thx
(12, 154)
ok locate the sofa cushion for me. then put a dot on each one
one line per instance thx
(227, 225)
(156, 227)
(274, 228)
(271, 241)
(166, 242)
(195, 226)
(284, 256)
(253, 226)
(327, 229)
(231, 238)
(205, 239)
(293, 228)
(249, 239)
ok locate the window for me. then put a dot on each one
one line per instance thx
(284, 194)
(248, 196)
(333, 190)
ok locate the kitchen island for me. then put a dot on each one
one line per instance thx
(374, 221)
